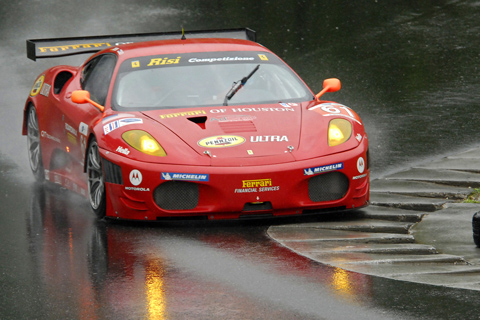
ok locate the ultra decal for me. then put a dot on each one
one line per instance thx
(268, 138)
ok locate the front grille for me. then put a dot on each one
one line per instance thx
(176, 195)
(328, 186)
(113, 172)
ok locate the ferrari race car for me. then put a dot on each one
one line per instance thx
(201, 124)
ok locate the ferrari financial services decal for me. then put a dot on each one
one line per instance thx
(257, 185)
(321, 169)
(37, 86)
(120, 123)
(184, 176)
(221, 141)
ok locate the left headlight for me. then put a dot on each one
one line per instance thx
(339, 131)
(143, 142)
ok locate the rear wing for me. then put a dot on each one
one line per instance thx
(60, 47)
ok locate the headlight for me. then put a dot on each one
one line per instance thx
(143, 142)
(339, 131)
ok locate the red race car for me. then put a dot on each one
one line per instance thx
(201, 124)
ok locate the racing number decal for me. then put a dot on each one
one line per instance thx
(37, 86)
(330, 108)
(333, 109)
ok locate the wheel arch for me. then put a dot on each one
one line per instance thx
(91, 136)
(29, 104)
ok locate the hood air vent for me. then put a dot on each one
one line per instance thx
(238, 126)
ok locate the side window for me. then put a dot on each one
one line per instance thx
(96, 77)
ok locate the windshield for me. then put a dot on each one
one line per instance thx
(205, 79)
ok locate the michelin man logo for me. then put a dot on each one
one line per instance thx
(135, 177)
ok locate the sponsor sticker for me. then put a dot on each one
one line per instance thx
(109, 127)
(268, 138)
(70, 129)
(221, 59)
(185, 176)
(359, 177)
(257, 185)
(45, 134)
(163, 61)
(321, 169)
(221, 141)
(117, 116)
(37, 86)
(360, 165)
(45, 91)
(137, 189)
(135, 177)
(123, 150)
(73, 47)
(83, 128)
(182, 114)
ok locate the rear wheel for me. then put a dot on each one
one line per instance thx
(96, 181)
(33, 143)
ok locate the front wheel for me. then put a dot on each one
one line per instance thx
(96, 181)
(33, 142)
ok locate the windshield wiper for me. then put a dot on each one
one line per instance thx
(237, 85)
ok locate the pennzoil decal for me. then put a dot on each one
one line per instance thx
(221, 141)
(37, 86)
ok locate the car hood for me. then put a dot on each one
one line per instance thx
(260, 133)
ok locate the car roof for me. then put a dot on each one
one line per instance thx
(141, 49)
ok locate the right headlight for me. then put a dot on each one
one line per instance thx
(339, 131)
(143, 142)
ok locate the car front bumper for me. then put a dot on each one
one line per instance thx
(147, 191)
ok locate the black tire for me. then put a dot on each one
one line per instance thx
(476, 228)
(95, 180)
(33, 144)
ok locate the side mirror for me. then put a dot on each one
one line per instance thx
(83, 96)
(329, 85)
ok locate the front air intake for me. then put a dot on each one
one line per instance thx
(328, 186)
(176, 195)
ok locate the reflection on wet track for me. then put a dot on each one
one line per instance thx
(177, 270)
